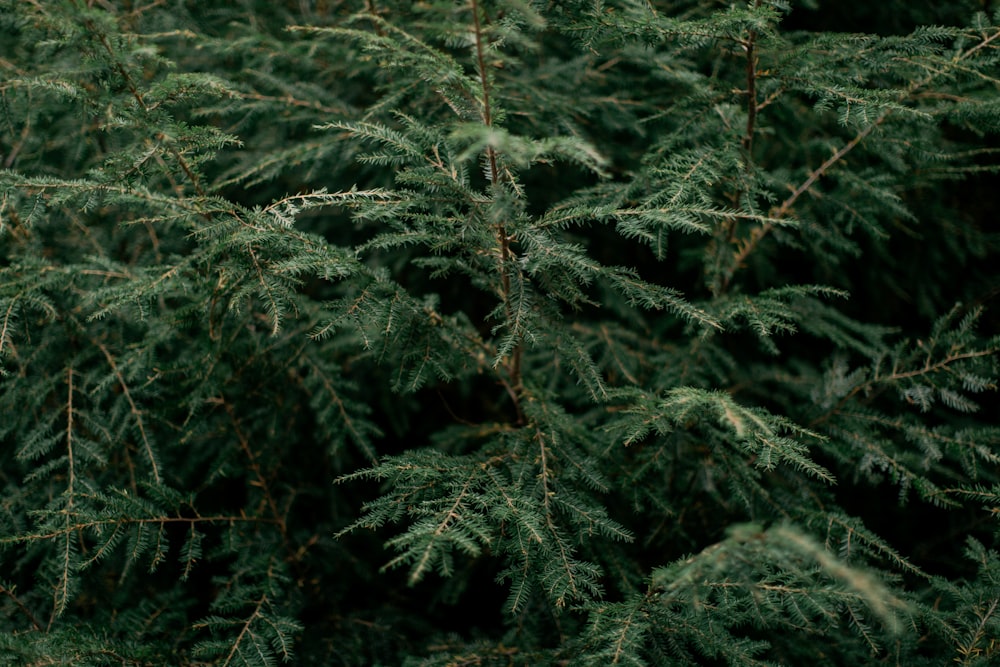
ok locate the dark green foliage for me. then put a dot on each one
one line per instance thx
(503, 332)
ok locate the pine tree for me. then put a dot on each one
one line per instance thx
(501, 332)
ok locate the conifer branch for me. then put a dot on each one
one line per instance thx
(512, 383)
(61, 592)
(273, 307)
(349, 422)
(545, 475)
(16, 148)
(243, 632)
(70, 457)
(8, 317)
(260, 480)
(103, 524)
(21, 607)
(291, 101)
(136, 412)
(868, 387)
(788, 204)
(140, 99)
(537, 385)
(969, 650)
(450, 516)
(747, 246)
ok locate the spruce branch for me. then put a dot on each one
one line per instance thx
(506, 259)
(357, 430)
(101, 525)
(546, 477)
(21, 607)
(61, 591)
(537, 281)
(245, 631)
(260, 480)
(70, 457)
(452, 514)
(747, 246)
(969, 648)
(119, 67)
(133, 407)
(878, 380)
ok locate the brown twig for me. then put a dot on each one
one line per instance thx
(749, 245)
(137, 95)
(786, 206)
(751, 73)
(133, 408)
(21, 606)
(512, 366)
(261, 481)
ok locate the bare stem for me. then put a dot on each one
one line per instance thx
(21, 606)
(751, 72)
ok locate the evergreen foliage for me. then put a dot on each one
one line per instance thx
(499, 332)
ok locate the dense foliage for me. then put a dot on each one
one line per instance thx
(499, 332)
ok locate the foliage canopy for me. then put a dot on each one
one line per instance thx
(500, 332)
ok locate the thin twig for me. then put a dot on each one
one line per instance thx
(134, 409)
(21, 606)
(258, 473)
(758, 233)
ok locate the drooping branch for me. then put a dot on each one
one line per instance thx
(260, 481)
(133, 408)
